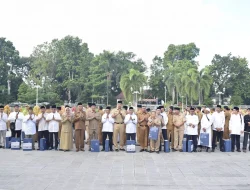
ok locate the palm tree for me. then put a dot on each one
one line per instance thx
(133, 80)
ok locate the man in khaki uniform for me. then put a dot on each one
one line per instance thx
(139, 110)
(94, 119)
(199, 114)
(227, 118)
(143, 129)
(119, 127)
(79, 121)
(100, 110)
(178, 120)
(87, 122)
(170, 127)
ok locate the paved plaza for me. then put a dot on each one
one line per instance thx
(57, 170)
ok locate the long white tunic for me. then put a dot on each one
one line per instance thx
(30, 124)
(194, 120)
(130, 124)
(3, 120)
(165, 119)
(108, 123)
(43, 124)
(206, 123)
(53, 125)
(236, 124)
(19, 120)
(218, 120)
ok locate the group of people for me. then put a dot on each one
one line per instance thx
(124, 123)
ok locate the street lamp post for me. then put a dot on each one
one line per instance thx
(165, 94)
(136, 92)
(220, 93)
(37, 94)
(8, 81)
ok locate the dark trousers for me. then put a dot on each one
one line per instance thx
(15, 133)
(104, 137)
(43, 134)
(246, 137)
(55, 134)
(217, 135)
(165, 137)
(237, 139)
(195, 141)
(130, 136)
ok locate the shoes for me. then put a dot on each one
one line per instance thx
(102, 150)
(116, 150)
(238, 150)
(181, 150)
(82, 149)
(142, 150)
(232, 151)
(212, 150)
(38, 149)
(157, 152)
(122, 149)
(146, 150)
(194, 150)
(111, 150)
(244, 151)
(151, 151)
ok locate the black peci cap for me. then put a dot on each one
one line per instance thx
(119, 102)
(79, 104)
(53, 106)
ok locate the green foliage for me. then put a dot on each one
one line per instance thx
(236, 100)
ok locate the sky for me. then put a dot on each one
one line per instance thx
(145, 27)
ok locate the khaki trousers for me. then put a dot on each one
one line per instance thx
(178, 137)
(143, 131)
(79, 138)
(155, 144)
(138, 136)
(170, 133)
(93, 134)
(100, 134)
(119, 129)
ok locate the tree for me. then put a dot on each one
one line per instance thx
(231, 73)
(134, 80)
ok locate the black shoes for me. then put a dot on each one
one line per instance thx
(103, 150)
(142, 150)
(122, 149)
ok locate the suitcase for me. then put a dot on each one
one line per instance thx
(130, 146)
(204, 139)
(43, 144)
(190, 145)
(227, 145)
(8, 143)
(27, 144)
(153, 133)
(107, 145)
(95, 145)
(166, 146)
(15, 143)
(184, 145)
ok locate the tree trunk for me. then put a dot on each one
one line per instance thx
(199, 94)
(173, 95)
(177, 98)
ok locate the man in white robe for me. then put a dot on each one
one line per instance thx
(206, 127)
(236, 128)
(130, 122)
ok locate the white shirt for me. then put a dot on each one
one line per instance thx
(53, 125)
(3, 120)
(218, 120)
(194, 120)
(165, 119)
(30, 124)
(19, 120)
(206, 122)
(43, 124)
(236, 124)
(130, 124)
(108, 123)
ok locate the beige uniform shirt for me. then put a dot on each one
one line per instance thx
(119, 119)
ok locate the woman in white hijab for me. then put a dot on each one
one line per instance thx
(66, 140)
(206, 127)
